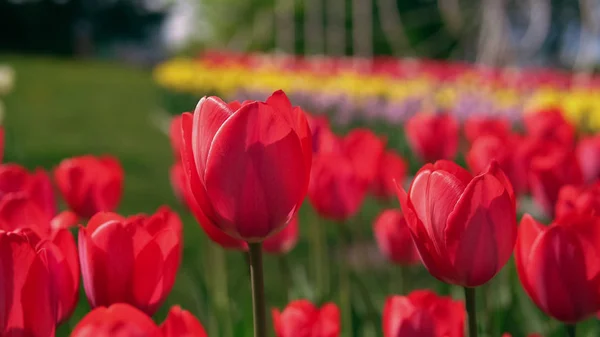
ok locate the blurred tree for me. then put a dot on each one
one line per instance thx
(68, 27)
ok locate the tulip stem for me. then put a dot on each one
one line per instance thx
(284, 268)
(570, 330)
(258, 289)
(471, 311)
(319, 258)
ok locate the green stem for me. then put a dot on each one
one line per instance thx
(345, 302)
(284, 268)
(318, 258)
(571, 330)
(471, 311)
(258, 290)
(221, 282)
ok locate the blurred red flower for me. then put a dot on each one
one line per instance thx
(432, 137)
(248, 165)
(90, 184)
(130, 260)
(477, 126)
(464, 227)
(577, 199)
(336, 190)
(550, 125)
(588, 156)
(181, 323)
(486, 148)
(303, 319)
(119, 319)
(37, 185)
(423, 314)
(393, 237)
(392, 167)
(559, 265)
(552, 167)
(284, 241)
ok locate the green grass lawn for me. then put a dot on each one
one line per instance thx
(61, 108)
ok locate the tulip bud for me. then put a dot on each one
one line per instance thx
(464, 227)
(248, 165)
(118, 319)
(28, 306)
(302, 319)
(90, 184)
(557, 265)
(130, 260)
(181, 323)
(424, 133)
(393, 237)
(423, 314)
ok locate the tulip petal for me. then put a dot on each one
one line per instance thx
(38, 309)
(209, 116)
(437, 265)
(112, 263)
(277, 322)
(559, 277)
(434, 195)
(329, 321)
(529, 231)
(66, 259)
(204, 211)
(181, 323)
(17, 210)
(147, 278)
(482, 230)
(255, 175)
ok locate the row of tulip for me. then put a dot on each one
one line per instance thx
(244, 169)
(385, 88)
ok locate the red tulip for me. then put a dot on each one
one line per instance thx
(432, 137)
(336, 191)
(181, 323)
(476, 127)
(464, 227)
(183, 192)
(90, 184)
(582, 200)
(15, 178)
(423, 314)
(130, 260)
(27, 306)
(323, 139)
(119, 320)
(391, 168)
(248, 168)
(284, 241)
(19, 212)
(302, 319)
(393, 237)
(365, 151)
(551, 170)
(175, 136)
(550, 125)
(588, 156)
(559, 265)
(486, 148)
